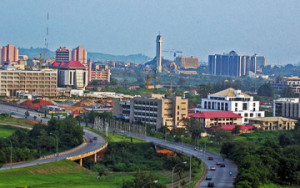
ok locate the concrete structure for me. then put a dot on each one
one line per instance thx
(213, 118)
(287, 107)
(273, 123)
(63, 54)
(40, 83)
(232, 100)
(121, 108)
(9, 55)
(232, 64)
(157, 110)
(187, 62)
(80, 54)
(72, 74)
(158, 53)
(281, 82)
(99, 72)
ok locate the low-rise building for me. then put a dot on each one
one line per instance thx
(121, 108)
(287, 107)
(213, 118)
(273, 123)
(158, 110)
(282, 82)
(187, 62)
(98, 72)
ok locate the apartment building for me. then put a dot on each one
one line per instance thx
(79, 54)
(63, 54)
(273, 123)
(39, 83)
(9, 55)
(287, 107)
(98, 72)
(232, 100)
(158, 110)
(282, 82)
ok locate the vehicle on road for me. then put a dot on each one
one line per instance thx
(208, 177)
(210, 184)
(91, 141)
(210, 158)
(218, 163)
(95, 138)
(230, 173)
(222, 165)
(212, 168)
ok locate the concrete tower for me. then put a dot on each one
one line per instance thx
(158, 53)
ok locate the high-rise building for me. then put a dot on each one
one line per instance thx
(260, 61)
(187, 62)
(79, 54)
(232, 64)
(9, 55)
(40, 83)
(63, 54)
(98, 71)
(158, 53)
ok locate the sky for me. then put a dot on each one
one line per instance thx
(123, 27)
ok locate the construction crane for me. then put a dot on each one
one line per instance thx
(148, 77)
(174, 52)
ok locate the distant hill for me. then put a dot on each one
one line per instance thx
(92, 56)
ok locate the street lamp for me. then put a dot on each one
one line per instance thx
(154, 181)
(173, 171)
(56, 144)
(10, 151)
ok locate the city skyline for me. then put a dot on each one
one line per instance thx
(123, 28)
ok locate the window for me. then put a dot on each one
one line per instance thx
(244, 106)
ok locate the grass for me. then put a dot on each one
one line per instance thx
(59, 174)
(260, 137)
(6, 131)
(277, 186)
(17, 121)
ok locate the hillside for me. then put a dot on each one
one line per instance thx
(93, 56)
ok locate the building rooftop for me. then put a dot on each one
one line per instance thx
(272, 119)
(230, 92)
(215, 114)
(292, 100)
(70, 64)
(231, 127)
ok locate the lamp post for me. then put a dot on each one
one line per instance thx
(56, 144)
(10, 151)
(154, 181)
(173, 171)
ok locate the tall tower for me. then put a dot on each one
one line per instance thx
(158, 53)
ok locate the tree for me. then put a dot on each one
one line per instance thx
(100, 169)
(287, 92)
(220, 135)
(236, 130)
(194, 127)
(141, 179)
(27, 114)
(266, 90)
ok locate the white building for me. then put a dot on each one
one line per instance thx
(287, 107)
(232, 100)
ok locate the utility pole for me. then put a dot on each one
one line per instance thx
(56, 144)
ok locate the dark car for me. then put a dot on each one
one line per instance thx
(95, 138)
(210, 158)
(222, 165)
(210, 184)
(208, 177)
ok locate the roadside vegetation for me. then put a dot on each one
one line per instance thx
(6, 131)
(7, 119)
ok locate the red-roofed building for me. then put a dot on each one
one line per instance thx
(212, 118)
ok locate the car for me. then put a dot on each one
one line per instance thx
(222, 165)
(218, 163)
(91, 141)
(210, 158)
(208, 177)
(212, 168)
(95, 138)
(210, 184)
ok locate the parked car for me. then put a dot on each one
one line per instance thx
(208, 177)
(95, 138)
(210, 158)
(212, 168)
(91, 141)
(222, 165)
(210, 184)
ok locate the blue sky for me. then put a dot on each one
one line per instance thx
(123, 27)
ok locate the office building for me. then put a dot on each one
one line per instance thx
(287, 107)
(217, 118)
(232, 100)
(121, 108)
(187, 62)
(258, 61)
(9, 55)
(281, 82)
(232, 64)
(38, 83)
(98, 72)
(273, 123)
(79, 54)
(63, 54)
(158, 110)
(159, 53)
(72, 74)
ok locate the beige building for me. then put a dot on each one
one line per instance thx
(273, 123)
(79, 54)
(41, 83)
(158, 110)
(187, 62)
(282, 82)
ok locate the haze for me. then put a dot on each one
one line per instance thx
(198, 28)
